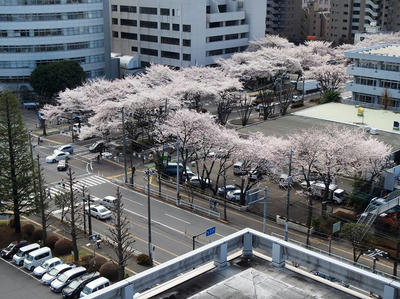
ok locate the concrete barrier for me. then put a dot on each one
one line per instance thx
(293, 225)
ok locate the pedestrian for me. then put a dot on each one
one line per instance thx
(63, 183)
(98, 158)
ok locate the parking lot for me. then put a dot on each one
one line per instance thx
(15, 282)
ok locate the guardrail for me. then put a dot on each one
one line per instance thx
(247, 241)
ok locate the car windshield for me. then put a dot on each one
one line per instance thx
(30, 258)
(45, 265)
(53, 272)
(74, 284)
(63, 278)
(10, 247)
(20, 253)
(86, 290)
(104, 210)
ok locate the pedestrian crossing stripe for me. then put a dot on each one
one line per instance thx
(85, 182)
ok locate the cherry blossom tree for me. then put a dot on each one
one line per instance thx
(328, 76)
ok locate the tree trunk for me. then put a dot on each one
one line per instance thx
(72, 212)
(309, 220)
(42, 204)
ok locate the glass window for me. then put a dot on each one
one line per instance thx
(128, 35)
(186, 57)
(115, 34)
(175, 27)
(148, 10)
(114, 8)
(186, 42)
(164, 11)
(169, 40)
(148, 24)
(165, 26)
(146, 51)
(125, 8)
(168, 54)
(128, 22)
(149, 38)
(186, 28)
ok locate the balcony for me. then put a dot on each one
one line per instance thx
(371, 90)
(227, 30)
(373, 73)
(226, 16)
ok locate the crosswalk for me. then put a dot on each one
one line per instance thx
(86, 182)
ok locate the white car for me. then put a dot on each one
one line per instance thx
(195, 181)
(67, 148)
(53, 273)
(233, 195)
(46, 266)
(57, 156)
(100, 212)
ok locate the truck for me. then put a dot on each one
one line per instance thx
(309, 86)
(336, 194)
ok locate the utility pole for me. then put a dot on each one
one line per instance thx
(304, 85)
(265, 210)
(124, 145)
(42, 203)
(177, 172)
(89, 216)
(225, 193)
(148, 173)
(396, 261)
(83, 205)
(288, 196)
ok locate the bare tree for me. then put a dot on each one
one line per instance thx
(61, 201)
(225, 103)
(245, 109)
(119, 234)
(283, 96)
(266, 100)
(72, 207)
(386, 100)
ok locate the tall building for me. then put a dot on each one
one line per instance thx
(349, 17)
(316, 20)
(33, 32)
(181, 33)
(376, 76)
(284, 17)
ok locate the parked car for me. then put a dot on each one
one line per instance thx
(233, 195)
(67, 148)
(188, 175)
(100, 212)
(62, 165)
(65, 278)
(222, 191)
(109, 202)
(238, 168)
(57, 156)
(23, 252)
(46, 266)
(94, 286)
(97, 147)
(37, 257)
(93, 200)
(48, 277)
(254, 175)
(197, 181)
(75, 287)
(12, 249)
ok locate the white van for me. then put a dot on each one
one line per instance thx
(94, 286)
(37, 257)
(237, 168)
(23, 252)
(109, 202)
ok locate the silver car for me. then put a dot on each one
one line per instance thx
(53, 273)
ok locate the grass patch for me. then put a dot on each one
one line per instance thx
(4, 223)
(67, 259)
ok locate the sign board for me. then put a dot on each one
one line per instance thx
(165, 158)
(336, 227)
(210, 231)
(252, 196)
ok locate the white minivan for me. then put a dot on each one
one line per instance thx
(94, 286)
(37, 257)
(46, 266)
(22, 253)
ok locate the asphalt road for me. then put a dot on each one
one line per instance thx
(15, 282)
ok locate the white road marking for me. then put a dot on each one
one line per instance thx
(177, 218)
(21, 269)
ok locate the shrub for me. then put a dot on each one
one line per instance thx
(143, 259)
(37, 235)
(109, 270)
(27, 230)
(331, 95)
(85, 261)
(96, 263)
(51, 241)
(63, 247)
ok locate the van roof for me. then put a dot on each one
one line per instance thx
(238, 163)
(110, 197)
(30, 246)
(97, 282)
(75, 270)
(40, 251)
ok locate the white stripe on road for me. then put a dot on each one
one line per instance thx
(177, 218)
(21, 269)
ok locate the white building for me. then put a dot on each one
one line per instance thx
(40, 31)
(376, 72)
(185, 32)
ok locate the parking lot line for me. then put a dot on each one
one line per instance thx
(20, 269)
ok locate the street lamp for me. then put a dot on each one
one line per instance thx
(148, 173)
(375, 254)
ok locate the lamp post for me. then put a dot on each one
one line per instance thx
(124, 146)
(148, 173)
(288, 196)
(375, 254)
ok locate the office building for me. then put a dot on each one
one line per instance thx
(316, 20)
(376, 76)
(181, 33)
(33, 32)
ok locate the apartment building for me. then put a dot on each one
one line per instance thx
(316, 20)
(284, 17)
(349, 17)
(376, 76)
(33, 32)
(182, 33)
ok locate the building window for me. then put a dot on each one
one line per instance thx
(186, 42)
(172, 55)
(222, 8)
(186, 28)
(231, 36)
(146, 51)
(114, 7)
(164, 26)
(186, 57)
(114, 21)
(124, 8)
(3, 33)
(148, 24)
(144, 64)
(149, 38)
(208, 9)
(231, 23)
(217, 38)
(134, 49)
(215, 24)
(215, 52)
(115, 33)
(231, 50)
(164, 11)
(128, 35)
(169, 40)
(128, 22)
(243, 35)
(148, 10)
(175, 27)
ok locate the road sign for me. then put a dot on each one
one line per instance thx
(210, 231)
(336, 227)
(252, 196)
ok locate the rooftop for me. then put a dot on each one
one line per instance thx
(387, 50)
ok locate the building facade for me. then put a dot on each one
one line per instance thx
(182, 33)
(376, 76)
(284, 17)
(349, 17)
(34, 32)
(316, 20)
